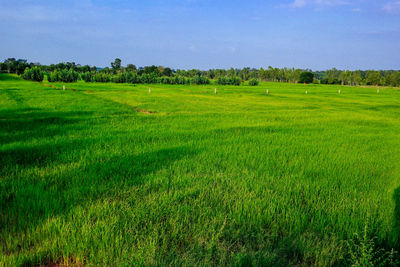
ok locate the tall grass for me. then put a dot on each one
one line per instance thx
(110, 174)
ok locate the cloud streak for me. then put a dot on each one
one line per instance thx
(316, 3)
(392, 7)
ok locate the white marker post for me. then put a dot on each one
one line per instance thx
(215, 90)
(306, 92)
(339, 91)
(267, 92)
(63, 87)
(149, 90)
(377, 91)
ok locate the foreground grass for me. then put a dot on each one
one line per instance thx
(108, 174)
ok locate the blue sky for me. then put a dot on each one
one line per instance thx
(316, 34)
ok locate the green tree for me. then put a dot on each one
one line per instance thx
(373, 77)
(152, 70)
(356, 77)
(131, 67)
(116, 65)
(167, 72)
(11, 65)
(253, 82)
(33, 74)
(306, 77)
(382, 81)
(3, 67)
(231, 72)
(397, 79)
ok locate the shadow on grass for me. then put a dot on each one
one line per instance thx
(47, 178)
(27, 124)
(9, 77)
(25, 156)
(396, 226)
(28, 202)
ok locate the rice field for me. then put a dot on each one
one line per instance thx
(115, 175)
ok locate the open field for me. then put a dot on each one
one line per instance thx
(110, 174)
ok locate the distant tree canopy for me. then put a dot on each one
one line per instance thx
(70, 72)
(116, 65)
(11, 65)
(66, 76)
(373, 78)
(130, 67)
(306, 77)
(167, 72)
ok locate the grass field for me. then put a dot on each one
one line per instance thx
(112, 175)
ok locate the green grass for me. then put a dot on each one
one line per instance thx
(235, 178)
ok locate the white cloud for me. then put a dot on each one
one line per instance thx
(331, 2)
(298, 3)
(392, 7)
(317, 3)
(29, 13)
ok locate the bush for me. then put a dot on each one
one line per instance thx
(33, 74)
(119, 78)
(363, 251)
(181, 80)
(200, 80)
(229, 81)
(66, 76)
(306, 77)
(27, 74)
(236, 81)
(253, 82)
(149, 78)
(166, 80)
(330, 81)
(102, 78)
(132, 77)
(87, 76)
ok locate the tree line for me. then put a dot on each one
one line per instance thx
(71, 72)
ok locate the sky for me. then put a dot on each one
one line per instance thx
(204, 34)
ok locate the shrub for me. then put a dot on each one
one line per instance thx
(102, 77)
(253, 82)
(132, 77)
(119, 78)
(229, 81)
(236, 81)
(200, 80)
(66, 76)
(364, 252)
(330, 81)
(27, 75)
(33, 74)
(87, 76)
(148, 78)
(71, 76)
(53, 76)
(306, 77)
(182, 80)
(166, 80)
